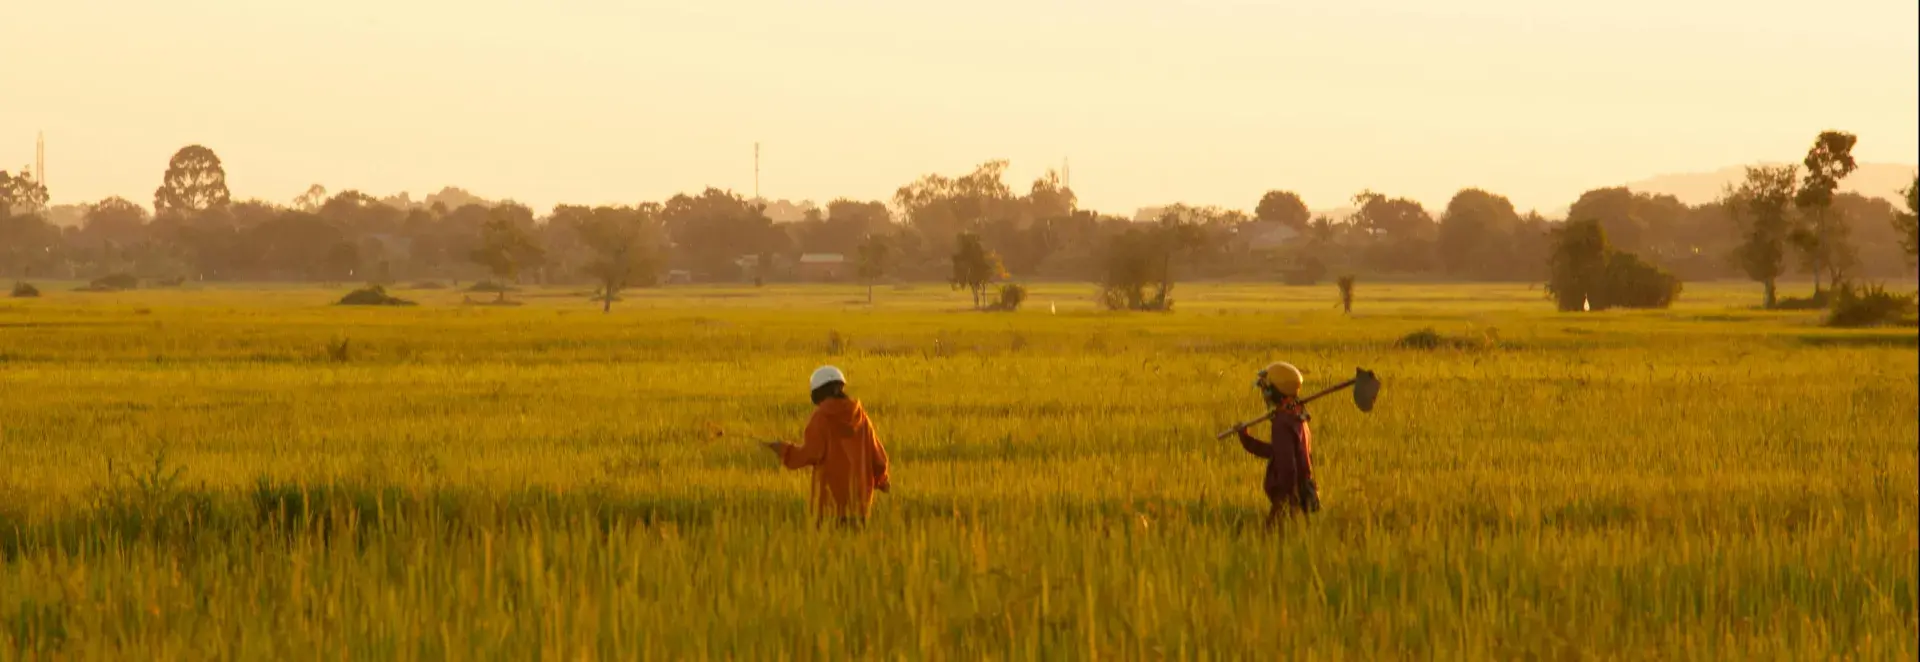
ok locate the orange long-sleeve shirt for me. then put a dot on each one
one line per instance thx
(847, 458)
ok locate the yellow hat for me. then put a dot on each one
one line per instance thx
(1283, 377)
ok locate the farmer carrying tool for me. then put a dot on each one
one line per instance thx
(1289, 479)
(848, 461)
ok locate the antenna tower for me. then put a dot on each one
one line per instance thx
(40, 159)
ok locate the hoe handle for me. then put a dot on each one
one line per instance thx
(1323, 393)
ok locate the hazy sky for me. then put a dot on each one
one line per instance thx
(1154, 101)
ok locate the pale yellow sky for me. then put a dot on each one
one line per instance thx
(1203, 101)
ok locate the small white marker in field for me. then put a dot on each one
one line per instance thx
(1053, 308)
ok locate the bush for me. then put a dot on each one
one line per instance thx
(1121, 297)
(1871, 305)
(372, 295)
(1588, 274)
(1429, 339)
(1630, 282)
(25, 291)
(112, 283)
(1011, 296)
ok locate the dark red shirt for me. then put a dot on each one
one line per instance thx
(1289, 457)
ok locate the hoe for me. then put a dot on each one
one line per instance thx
(1365, 387)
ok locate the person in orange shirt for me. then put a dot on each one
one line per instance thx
(843, 449)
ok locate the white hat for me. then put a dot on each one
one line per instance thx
(825, 375)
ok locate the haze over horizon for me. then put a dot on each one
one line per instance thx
(1208, 102)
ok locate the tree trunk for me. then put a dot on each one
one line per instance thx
(869, 293)
(1770, 299)
(1819, 248)
(501, 296)
(606, 301)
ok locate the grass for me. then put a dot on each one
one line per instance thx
(546, 481)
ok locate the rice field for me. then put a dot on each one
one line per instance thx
(249, 472)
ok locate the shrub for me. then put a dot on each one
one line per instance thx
(1630, 282)
(1423, 339)
(1871, 305)
(25, 291)
(112, 283)
(372, 295)
(1011, 296)
(1429, 339)
(1346, 294)
(1588, 274)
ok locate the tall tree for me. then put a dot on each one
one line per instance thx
(874, 261)
(1476, 235)
(1283, 207)
(364, 214)
(1615, 209)
(1762, 204)
(21, 194)
(842, 229)
(1049, 197)
(975, 267)
(716, 228)
(310, 201)
(1823, 243)
(1181, 230)
(1578, 264)
(623, 240)
(940, 207)
(1400, 231)
(505, 248)
(194, 182)
(114, 221)
(1908, 222)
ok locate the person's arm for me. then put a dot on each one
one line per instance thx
(1304, 455)
(812, 451)
(1258, 448)
(882, 480)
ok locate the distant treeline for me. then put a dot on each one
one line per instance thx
(195, 232)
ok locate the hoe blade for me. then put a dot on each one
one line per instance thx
(1366, 388)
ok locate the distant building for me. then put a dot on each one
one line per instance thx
(822, 266)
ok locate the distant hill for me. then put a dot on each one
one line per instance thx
(1874, 180)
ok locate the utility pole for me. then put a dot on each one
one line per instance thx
(40, 159)
(756, 171)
